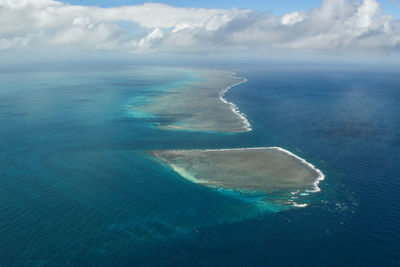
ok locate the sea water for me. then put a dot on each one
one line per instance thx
(78, 187)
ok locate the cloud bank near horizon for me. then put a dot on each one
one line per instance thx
(336, 26)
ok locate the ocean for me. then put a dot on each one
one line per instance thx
(78, 186)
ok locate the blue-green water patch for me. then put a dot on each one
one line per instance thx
(77, 187)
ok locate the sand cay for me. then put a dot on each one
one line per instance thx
(199, 105)
(248, 170)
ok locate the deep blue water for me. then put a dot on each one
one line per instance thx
(78, 188)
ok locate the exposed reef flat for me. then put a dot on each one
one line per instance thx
(248, 170)
(199, 105)
(270, 173)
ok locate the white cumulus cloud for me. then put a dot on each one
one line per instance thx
(337, 25)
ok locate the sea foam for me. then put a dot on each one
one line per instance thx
(233, 107)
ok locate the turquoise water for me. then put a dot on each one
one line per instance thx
(78, 187)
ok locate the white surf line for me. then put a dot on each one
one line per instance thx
(234, 108)
(320, 177)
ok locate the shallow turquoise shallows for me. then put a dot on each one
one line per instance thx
(78, 186)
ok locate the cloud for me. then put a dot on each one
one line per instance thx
(337, 25)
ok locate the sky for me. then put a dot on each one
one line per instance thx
(280, 7)
(328, 27)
